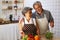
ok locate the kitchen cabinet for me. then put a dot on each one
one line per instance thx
(9, 32)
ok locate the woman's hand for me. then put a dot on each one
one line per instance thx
(22, 33)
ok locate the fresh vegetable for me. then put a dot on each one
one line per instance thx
(25, 38)
(49, 35)
(30, 37)
(37, 37)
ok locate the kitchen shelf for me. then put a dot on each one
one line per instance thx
(18, 9)
(6, 2)
(18, 2)
(13, 7)
(6, 9)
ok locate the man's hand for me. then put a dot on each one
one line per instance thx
(52, 24)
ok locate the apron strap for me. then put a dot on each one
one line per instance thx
(32, 20)
(44, 15)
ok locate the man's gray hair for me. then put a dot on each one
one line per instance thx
(37, 3)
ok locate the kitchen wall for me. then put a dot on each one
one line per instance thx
(0, 7)
(51, 5)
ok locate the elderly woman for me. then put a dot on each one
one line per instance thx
(27, 24)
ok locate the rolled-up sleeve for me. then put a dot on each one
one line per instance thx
(50, 17)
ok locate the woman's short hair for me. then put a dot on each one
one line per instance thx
(25, 9)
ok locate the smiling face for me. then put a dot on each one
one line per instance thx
(28, 13)
(38, 7)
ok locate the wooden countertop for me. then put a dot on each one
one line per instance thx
(54, 38)
(9, 22)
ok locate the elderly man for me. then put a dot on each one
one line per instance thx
(43, 17)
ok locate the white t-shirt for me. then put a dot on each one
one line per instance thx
(31, 21)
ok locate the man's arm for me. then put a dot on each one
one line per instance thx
(51, 20)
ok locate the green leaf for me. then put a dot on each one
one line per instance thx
(25, 38)
(49, 35)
